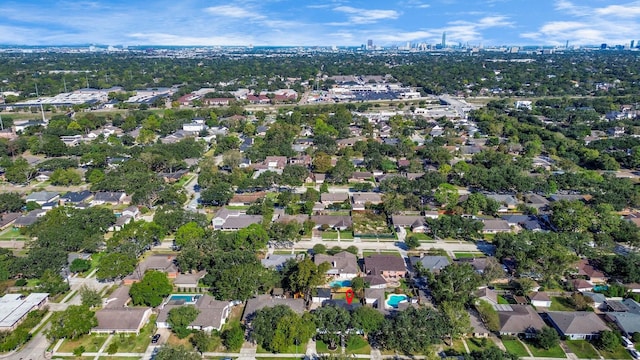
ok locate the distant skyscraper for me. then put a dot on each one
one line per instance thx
(603, 46)
(566, 46)
(444, 39)
(369, 44)
(632, 43)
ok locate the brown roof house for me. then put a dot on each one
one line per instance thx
(231, 220)
(344, 265)
(585, 269)
(117, 317)
(540, 299)
(264, 301)
(213, 314)
(389, 267)
(163, 263)
(338, 222)
(577, 325)
(519, 320)
(416, 223)
(494, 226)
(361, 199)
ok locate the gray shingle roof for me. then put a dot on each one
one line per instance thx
(577, 322)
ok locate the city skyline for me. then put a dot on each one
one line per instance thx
(311, 23)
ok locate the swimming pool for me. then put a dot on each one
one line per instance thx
(182, 299)
(341, 283)
(394, 299)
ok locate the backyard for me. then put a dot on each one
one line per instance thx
(515, 347)
(559, 303)
(554, 352)
(369, 223)
(90, 342)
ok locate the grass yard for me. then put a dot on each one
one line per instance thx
(136, 343)
(366, 253)
(554, 352)
(323, 348)
(91, 343)
(515, 347)
(559, 303)
(458, 347)
(468, 255)
(358, 345)
(370, 223)
(11, 234)
(346, 235)
(419, 236)
(479, 344)
(582, 349)
(502, 300)
(618, 353)
(329, 235)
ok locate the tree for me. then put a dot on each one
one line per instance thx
(412, 242)
(489, 315)
(65, 177)
(413, 331)
(180, 317)
(90, 297)
(112, 348)
(332, 323)
(218, 194)
(10, 202)
(306, 275)
(187, 232)
(169, 352)
(79, 265)
(319, 249)
(455, 283)
(457, 318)
(490, 353)
(115, 265)
(547, 338)
(446, 194)
(232, 158)
(151, 290)
(52, 283)
(608, 340)
(367, 319)
(278, 328)
(358, 285)
(71, 323)
(233, 338)
(205, 342)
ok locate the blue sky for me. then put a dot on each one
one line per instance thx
(315, 22)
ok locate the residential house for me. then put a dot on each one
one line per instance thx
(264, 301)
(163, 263)
(8, 219)
(189, 280)
(359, 200)
(519, 320)
(360, 177)
(415, 223)
(479, 330)
(277, 261)
(389, 267)
(14, 308)
(246, 199)
(586, 269)
(581, 285)
(73, 197)
(29, 218)
(125, 320)
(540, 299)
(577, 325)
(487, 295)
(598, 299)
(627, 321)
(375, 281)
(302, 160)
(212, 315)
(338, 222)
(217, 101)
(42, 197)
(132, 211)
(272, 163)
(430, 263)
(321, 295)
(344, 265)
(507, 202)
(333, 198)
(121, 221)
(374, 297)
(494, 226)
(108, 198)
(536, 201)
(350, 142)
(231, 220)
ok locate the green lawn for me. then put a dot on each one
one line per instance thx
(329, 235)
(554, 352)
(515, 347)
(358, 345)
(502, 300)
(323, 348)
(559, 303)
(371, 252)
(618, 353)
(11, 234)
(91, 343)
(479, 344)
(419, 236)
(139, 343)
(346, 235)
(468, 255)
(457, 347)
(582, 349)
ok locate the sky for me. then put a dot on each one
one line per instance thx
(315, 22)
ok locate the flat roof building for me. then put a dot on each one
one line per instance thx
(14, 308)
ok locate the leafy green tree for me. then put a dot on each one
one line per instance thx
(180, 317)
(218, 194)
(457, 317)
(367, 319)
(455, 283)
(446, 194)
(10, 202)
(151, 290)
(52, 283)
(115, 266)
(490, 353)
(547, 338)
(278, 328)
(412, 242)
(188, 232)
(71, 323)
(65, 177)
(80, 265)
(205, 342)
(319, 249)
(233, 337)
(112, 348)
(608, 340)
(90, 297)
(305, 276)
(421, 328)
(488, 314)
(170, 352)
(332, 323)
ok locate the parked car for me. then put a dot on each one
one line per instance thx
(635, 354)
(155, 338)
(626, 342)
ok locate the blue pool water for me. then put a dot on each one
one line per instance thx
(394, 300)
(187, 299)
(599, 288)
(342, 283)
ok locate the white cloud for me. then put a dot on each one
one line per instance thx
(233, 12)
(367, 16)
